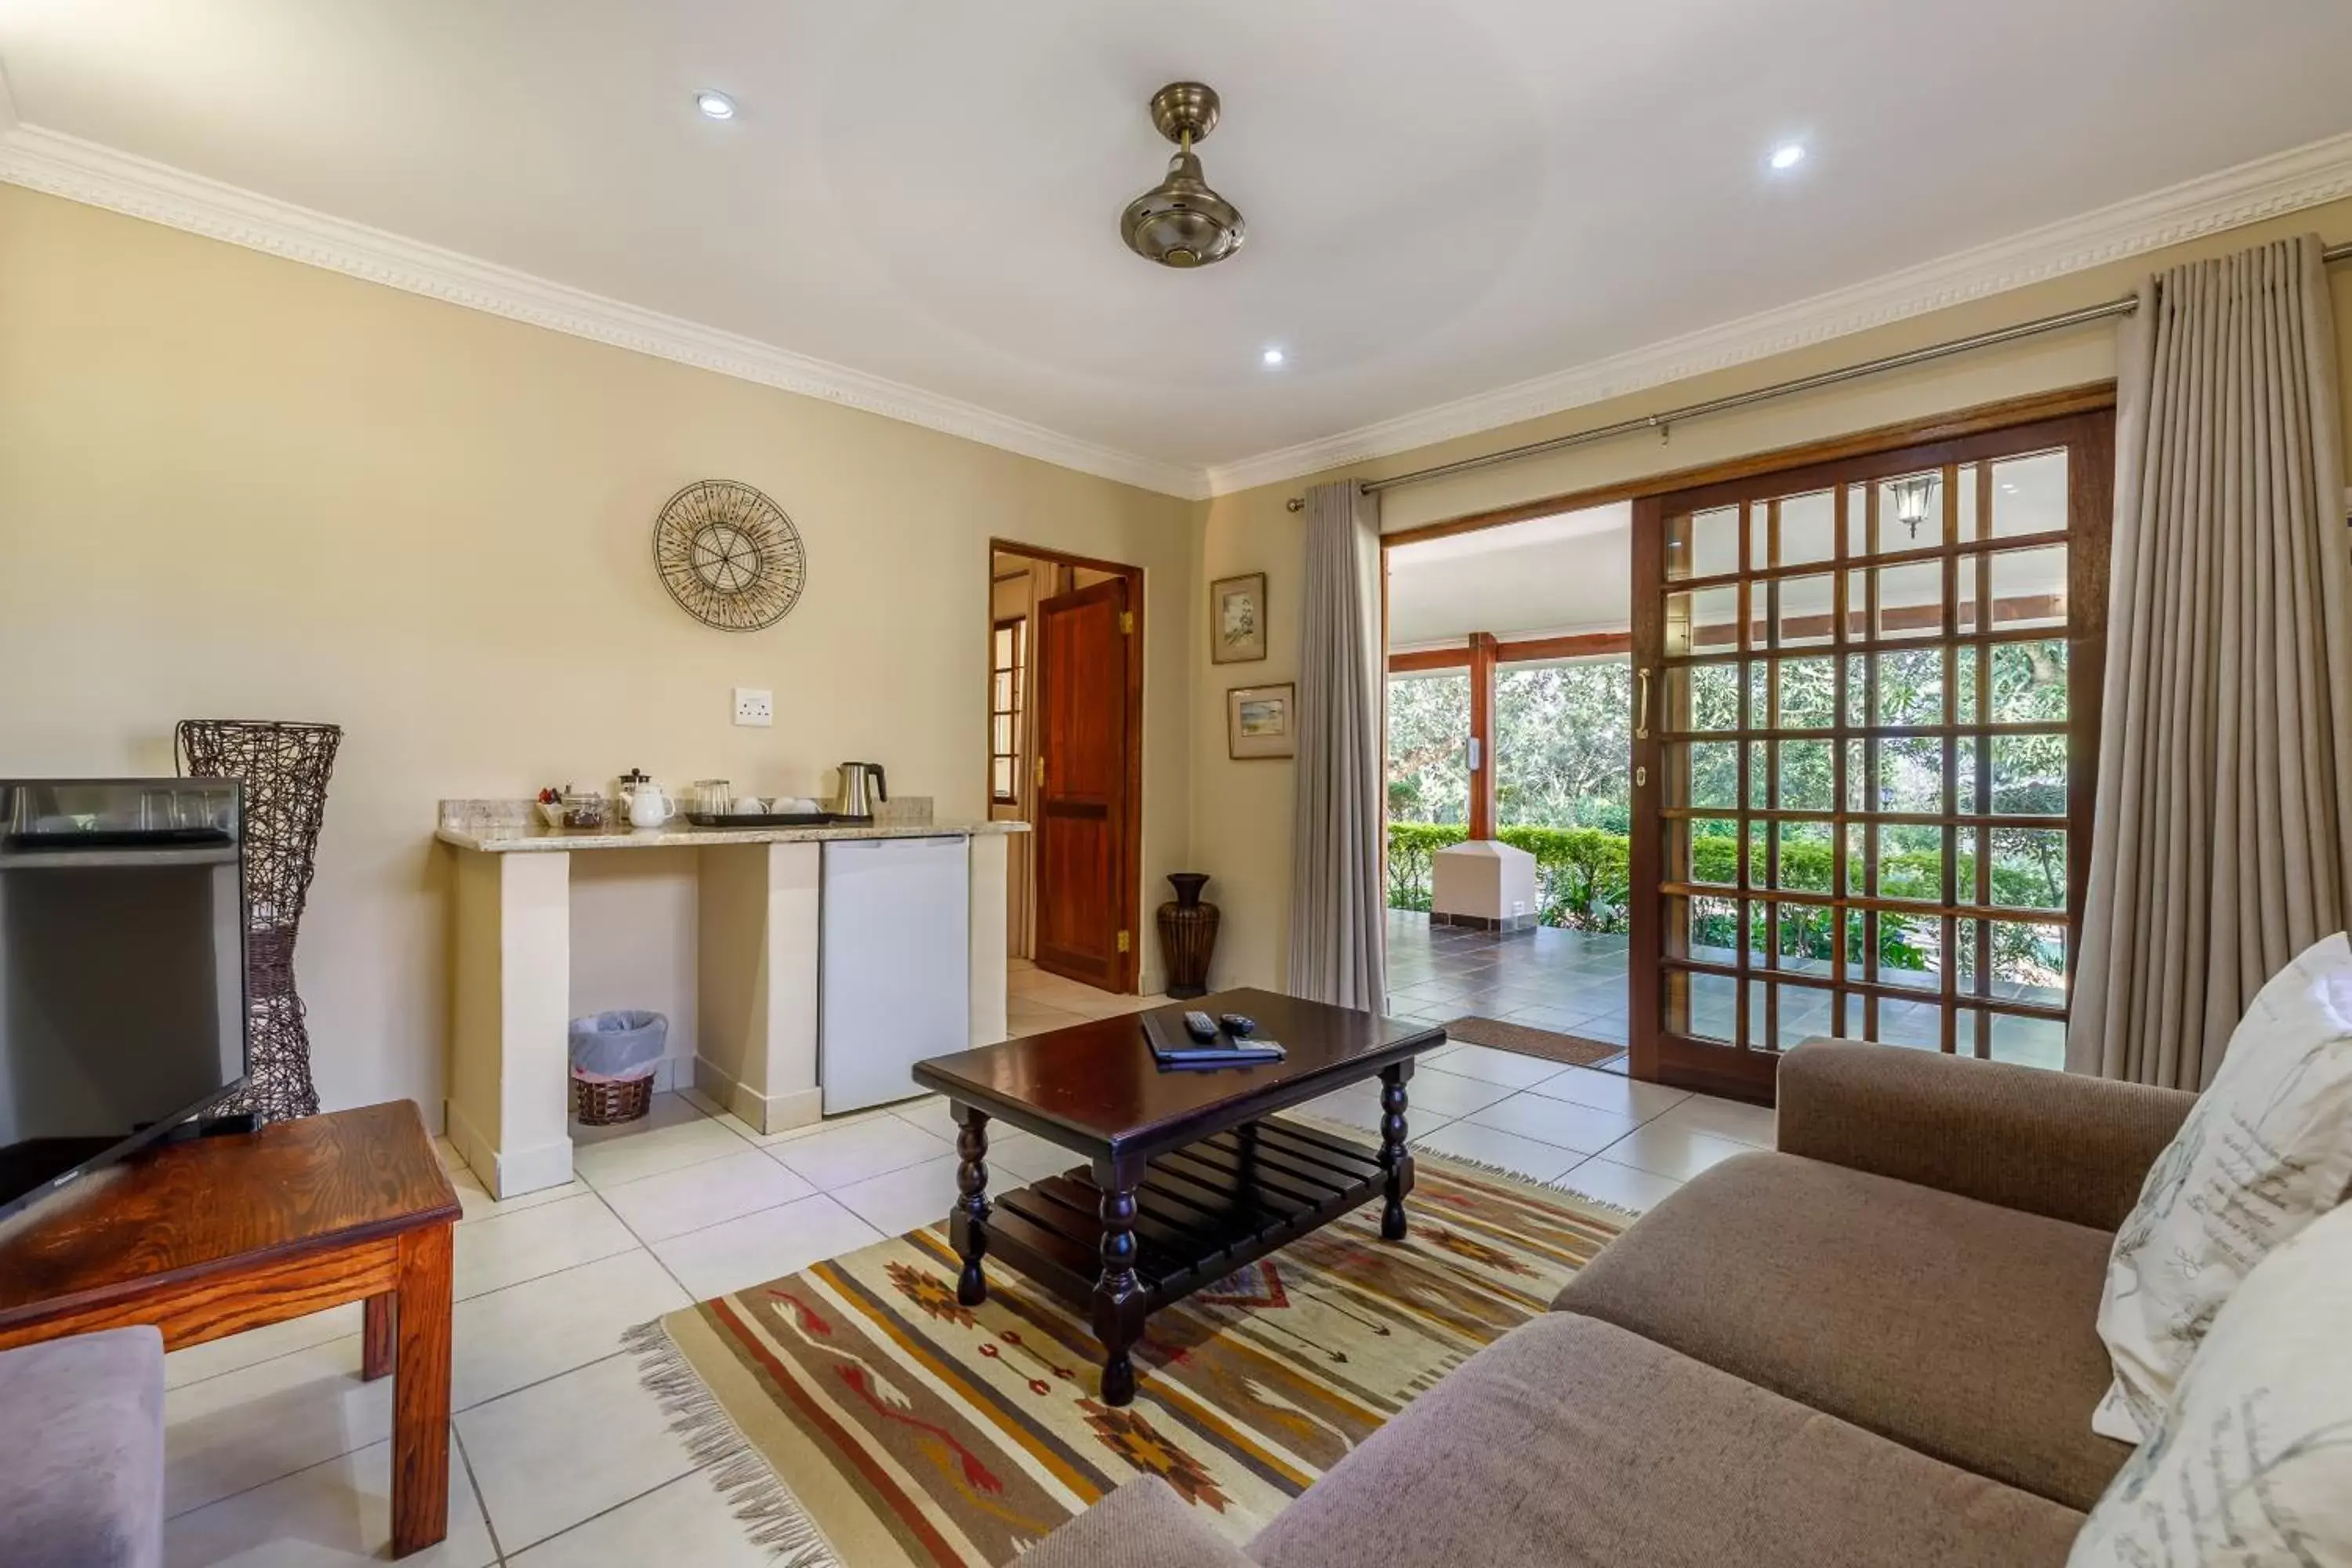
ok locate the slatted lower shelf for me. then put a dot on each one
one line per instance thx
(1200, 1212)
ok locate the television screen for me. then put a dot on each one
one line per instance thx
(123, 1002)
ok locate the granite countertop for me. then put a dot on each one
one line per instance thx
(512, 828)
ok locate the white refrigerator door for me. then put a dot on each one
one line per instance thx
(894, 982)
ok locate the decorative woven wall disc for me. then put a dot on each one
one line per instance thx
(728, 556)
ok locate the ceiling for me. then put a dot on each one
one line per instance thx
(1443, 201)
(1549, 576)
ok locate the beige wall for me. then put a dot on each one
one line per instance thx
(232, 485)
(1241, 811)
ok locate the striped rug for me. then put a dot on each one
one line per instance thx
(854, 1415)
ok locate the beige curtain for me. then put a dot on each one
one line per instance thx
(1338, 915)
(2225, 746)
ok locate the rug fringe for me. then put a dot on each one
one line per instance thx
(772, 1516)
(1485, 1167)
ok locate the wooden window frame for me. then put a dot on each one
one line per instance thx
(1019, 626)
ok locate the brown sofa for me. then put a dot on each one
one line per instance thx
(1873, 1345)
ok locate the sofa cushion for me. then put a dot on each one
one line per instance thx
(1571, 1442)
(81, 1452)
(1961, 1330)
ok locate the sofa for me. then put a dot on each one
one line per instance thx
(81, 1451)
(1873, 1345)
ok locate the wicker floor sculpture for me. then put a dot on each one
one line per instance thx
(284, 769)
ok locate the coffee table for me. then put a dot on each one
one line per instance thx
(1187, 1178)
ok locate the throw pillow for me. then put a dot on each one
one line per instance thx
(2267, 1150)
(2253, 1462)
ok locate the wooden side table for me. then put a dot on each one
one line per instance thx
(214, 1235)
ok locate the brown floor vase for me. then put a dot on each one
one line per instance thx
(1188, 934)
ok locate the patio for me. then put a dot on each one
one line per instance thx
(1570, 981)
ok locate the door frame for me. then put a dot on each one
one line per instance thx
(1129, 894)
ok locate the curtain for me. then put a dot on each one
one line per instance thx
(2224, 807)
(1339, 914)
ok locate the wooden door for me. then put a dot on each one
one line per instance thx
(1083, 815)
(1866, 713)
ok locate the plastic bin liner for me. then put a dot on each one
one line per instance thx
(619, 1044)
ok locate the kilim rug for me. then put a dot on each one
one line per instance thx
(1529, 1041)
(854, 1414)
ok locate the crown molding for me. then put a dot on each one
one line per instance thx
(61, 165)
(2265, 188)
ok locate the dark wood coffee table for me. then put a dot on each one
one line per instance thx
(1187, 1178)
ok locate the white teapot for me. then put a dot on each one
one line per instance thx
(648, 805)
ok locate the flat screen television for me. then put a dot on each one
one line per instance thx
(123, 988)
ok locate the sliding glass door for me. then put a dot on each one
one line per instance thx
(1866, 698)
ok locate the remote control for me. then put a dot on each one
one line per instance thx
(1240, 1025)
(1200, 1026)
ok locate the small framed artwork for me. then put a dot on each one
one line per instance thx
(1237, 619)
(1261, 722)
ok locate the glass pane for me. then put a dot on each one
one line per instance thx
(1804, 1013)
(1715, 774)
(1967, 578)
(2029, 962)
(1964, 687)
(1714, 1000)
(1966, 1021)
(1911, 599)
(1000, 691)
(1001, 781)
(2029, 867)
(1564, 743)
(1429, 736)
(1910, 952)
(1804, 932)
(2029, 682)
(1857, 523)
(1714, 927)
(1911, 775)
(1856, 868)
(1002, 738)
(1704, 545)
(1704, 697)
(1910, 511)
(2036, 1042)
(1713, 851)
(1003, 647)
(1806, 780)
(1704, 621)
(1857, 778)
(2029, 776)
(1917, 1025)
(1968, 509)
(2028, 494)
(1910, 685)
(1808, 528)
(1808, 694)
(1807, 616)
(1805, 856)
(2029, 587)
(1857, 690)
(1910, 862)
(1759, 854)
(1760, 775)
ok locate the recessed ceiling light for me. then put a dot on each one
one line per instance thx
(1788, 155)
(714, 105)
(1271, 356)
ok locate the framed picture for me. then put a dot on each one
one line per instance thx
(1261, 722)
(1237, 619)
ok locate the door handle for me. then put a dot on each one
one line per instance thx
(1041, 770)
(1642, 708)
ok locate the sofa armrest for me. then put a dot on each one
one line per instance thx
(81, 1451)
(1144, 1524)
(2050, 1144)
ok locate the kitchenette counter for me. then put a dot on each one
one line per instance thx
(512, 839)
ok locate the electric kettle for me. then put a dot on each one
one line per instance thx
(853, 800)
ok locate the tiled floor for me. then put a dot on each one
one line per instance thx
(278, 1454)
(1570, 981)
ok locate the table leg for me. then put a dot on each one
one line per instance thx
(1119, 1295)
(967, 1226)
(377, 1319)
(420, 1395)
(1396, 1157)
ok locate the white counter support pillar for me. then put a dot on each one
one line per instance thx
(756, 977)
(510, 1069)
(990, 860)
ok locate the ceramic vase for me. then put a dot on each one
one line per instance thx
(1188, 934)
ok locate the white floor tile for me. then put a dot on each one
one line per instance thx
(1675, 1151)
(1433, 1091)
(1025, 1157)
(1611, 1091)
(331, 1514)
(253, 1426)
(1558, 1121)
(669, 1108)
(509, 1248)
(686, 1522)
(671, 1204)
(256, 1345)
(475, 1199)
(1612, 1183)
(1489, 1065)
(933, 1114)
(763, 1246)
(515, 1337)
(611, 1162)
(903, 1200)
(552, 1454)
(1750, 1124)
(840, 1155)
(1536, 1161)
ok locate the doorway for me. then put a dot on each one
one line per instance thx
(1064, 755)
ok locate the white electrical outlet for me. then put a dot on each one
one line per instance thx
(754, 708)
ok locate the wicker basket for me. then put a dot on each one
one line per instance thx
(610, 1103)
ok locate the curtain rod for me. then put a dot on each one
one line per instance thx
(2064, 319)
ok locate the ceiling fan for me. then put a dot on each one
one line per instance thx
(1180, 222)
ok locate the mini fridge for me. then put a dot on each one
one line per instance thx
(894, 965)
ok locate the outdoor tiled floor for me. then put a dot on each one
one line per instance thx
(1570, 981)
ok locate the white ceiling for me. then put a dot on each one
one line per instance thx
(1553, 574)
(1442, 200)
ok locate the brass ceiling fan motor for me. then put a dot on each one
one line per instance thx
(1180, 222)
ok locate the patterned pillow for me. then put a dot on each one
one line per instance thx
(2267, 1150)
(2252, 1463)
